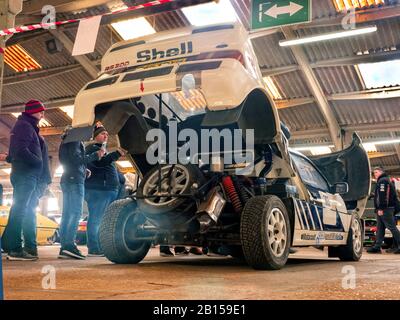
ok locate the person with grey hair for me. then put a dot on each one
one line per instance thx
(385, 201)
(74, 161)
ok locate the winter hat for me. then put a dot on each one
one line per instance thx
(98, 128)
(34, 106)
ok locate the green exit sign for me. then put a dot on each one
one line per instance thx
(275, 13)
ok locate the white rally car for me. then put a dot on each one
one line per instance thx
(197, 79)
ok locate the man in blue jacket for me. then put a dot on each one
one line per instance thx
(101, 188)
(385, 203)
(74, 160)
(30, 176)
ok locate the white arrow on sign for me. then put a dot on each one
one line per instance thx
(275, 11)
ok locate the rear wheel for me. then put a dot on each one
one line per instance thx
(175, 180)
(265, 233)
(352, 250)
(118, 233)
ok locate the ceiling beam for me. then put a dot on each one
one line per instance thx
(51, 131)
(289, 103)
(40, 74)
(388, 93)
(366, 128)
(86, 63)
(266, 72)
(357, 59)
(375, 155)
(35, 6)
(396, 146)
(337, 62)
(316, 89)
(361, 16)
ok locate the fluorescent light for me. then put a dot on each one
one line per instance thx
(43, 123)
(19, 59)
(133, 28)
(380, 74)
(272, 89)
(368, 146)
(124, 164)
(59, 171)
(344, 5)
(328, 36)
(210, 13)
(383, 142)
(7, 170)
(69, 110)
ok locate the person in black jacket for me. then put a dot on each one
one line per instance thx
(29, 177)
(101, 188)
(385, 203)
(29, 225)
(74, 161)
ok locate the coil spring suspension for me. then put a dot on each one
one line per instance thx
(243, 195)
(230, 190)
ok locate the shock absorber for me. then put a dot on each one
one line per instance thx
(230, 190)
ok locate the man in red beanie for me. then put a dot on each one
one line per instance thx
(30, 176)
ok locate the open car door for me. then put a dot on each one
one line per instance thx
(350, 165)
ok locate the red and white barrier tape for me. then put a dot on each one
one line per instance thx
(6, 32)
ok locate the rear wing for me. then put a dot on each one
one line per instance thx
(173, 47)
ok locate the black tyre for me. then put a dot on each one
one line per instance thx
(117, 233)
(352, 250)
(55, 238)
(265, 233)
(236, 252)
(175, 179)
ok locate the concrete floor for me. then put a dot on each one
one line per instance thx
(309, 274)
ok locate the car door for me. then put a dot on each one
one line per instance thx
(325, 210)
(352, 166)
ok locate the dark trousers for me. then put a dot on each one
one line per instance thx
(22, 220)
(98, 201)
(73, 196)
(386, 222)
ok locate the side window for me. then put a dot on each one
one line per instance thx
(309, 173)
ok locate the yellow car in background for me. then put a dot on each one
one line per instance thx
(47, 230)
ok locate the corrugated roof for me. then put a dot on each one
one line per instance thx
(54, 87)
(387, 36)
(302, 117)
(339, 79)
(367, 111)
(270, 54)
(292, 85)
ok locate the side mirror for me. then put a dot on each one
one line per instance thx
(341, 188)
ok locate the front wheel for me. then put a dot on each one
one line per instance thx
(352, 250)
(118, 230)
(265, 233)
